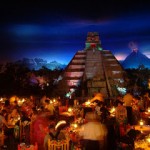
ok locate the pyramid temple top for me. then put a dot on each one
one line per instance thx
(93, 40)
(93, 34)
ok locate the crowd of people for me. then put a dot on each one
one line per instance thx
(98, 130)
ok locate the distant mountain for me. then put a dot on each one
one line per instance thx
(136, 59)
(38, 63)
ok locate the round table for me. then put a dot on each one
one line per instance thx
(143, 129)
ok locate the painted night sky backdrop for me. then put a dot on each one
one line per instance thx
(56, 30)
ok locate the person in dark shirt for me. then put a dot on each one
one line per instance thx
(127, 141)
(104, 113)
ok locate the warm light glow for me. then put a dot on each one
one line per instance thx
(69, 109)
(148, 139)
(23, 100)
(18, 117)
(20, 102)
(87, 103)
(75, 125)
(112, 110)
(141, 122)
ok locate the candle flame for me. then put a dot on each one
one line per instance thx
(141, 122)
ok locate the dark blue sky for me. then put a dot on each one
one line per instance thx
(57, 30)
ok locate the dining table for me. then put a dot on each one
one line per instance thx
(142, 143)
(69, 117)
(144, 129)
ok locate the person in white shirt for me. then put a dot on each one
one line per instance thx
(93, 132)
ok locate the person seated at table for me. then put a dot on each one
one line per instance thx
(126, 142)
(121, 114)
(4, 127)
(121, 119)
(39, 128)
(136, 110)
(7, 105)
(49, 107)
(53, 134)
(13, 117)
(13, 120)
(3, 120)
(93, 132)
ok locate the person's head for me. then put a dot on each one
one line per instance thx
(15, 103)
(51, 127)
(7, 102)
(119, 103)
(91, 116)
(132, 133)
(99, 103)
(137, 97)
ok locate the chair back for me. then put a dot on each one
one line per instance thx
(58, 145)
